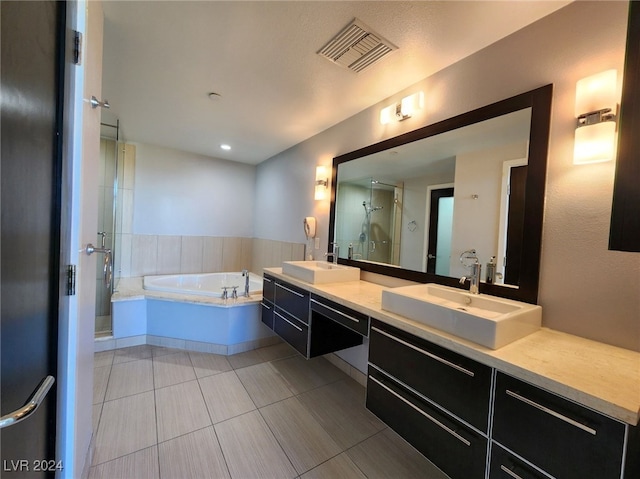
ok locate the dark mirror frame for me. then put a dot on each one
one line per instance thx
(624, 233)
(539, 100)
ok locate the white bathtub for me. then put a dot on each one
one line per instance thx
(207, 284)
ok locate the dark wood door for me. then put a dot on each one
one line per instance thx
(515, 224)
(434, 216)
(30, 163)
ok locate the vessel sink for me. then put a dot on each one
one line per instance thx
(318, 272)
(487, 320)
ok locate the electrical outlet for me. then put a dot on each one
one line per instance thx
(317, 245)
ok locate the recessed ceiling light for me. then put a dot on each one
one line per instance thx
(224, 146)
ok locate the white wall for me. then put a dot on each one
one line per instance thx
(476, 221)
(183, 194)
(585, 289)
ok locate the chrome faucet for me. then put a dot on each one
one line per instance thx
(474, 278)
(245, 273)
(334, 255)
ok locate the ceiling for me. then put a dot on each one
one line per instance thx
(162, 59)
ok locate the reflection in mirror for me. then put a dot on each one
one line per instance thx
(435, 198)
(412, 205)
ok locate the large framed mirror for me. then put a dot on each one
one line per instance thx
(423, 205)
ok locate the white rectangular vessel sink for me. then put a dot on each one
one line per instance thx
(487, 320)
(317, 272)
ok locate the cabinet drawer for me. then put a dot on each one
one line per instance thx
(559, 436)
(269, 288)
(505, 465)
(267, 313)
(455, 448)
(459, 384)
(291, 330)
(293, 300)
(354, 320)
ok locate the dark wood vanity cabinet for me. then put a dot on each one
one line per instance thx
(560, 437)
(474, 422)
(268, 300)
(437, 400)
(312, 326)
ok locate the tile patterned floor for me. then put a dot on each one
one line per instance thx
(268, 413)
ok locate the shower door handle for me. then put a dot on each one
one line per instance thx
(107, 265)
(373, 246)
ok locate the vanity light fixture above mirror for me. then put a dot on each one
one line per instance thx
(596, 109)
(403, 109)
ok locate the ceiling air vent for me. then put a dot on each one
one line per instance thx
(357, 47)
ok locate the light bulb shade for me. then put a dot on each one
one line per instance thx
(596, 92)
(386, 114)
(594, 143)
(322, 183)
(412, 103)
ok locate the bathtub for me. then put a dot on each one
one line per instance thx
(207, 284)
(191, 317)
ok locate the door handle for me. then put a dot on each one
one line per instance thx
(32, 404)
(431, 256)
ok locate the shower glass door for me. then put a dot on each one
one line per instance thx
(107, 195)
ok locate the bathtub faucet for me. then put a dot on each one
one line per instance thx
(245, 273)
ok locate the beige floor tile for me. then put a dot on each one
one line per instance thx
(95, 418)
(100, 381)
(387, 455)
(172, 369)
(302, 438)
(123, 355)
(139, 465)
(127, 379)
(250, 449)
(277, 351)
(180, 409)
(225, 396)
(338, 410)
(194, 455)
(207, 364)
(243, 360)
(264, 384)
(164, 350)
(103, 358)
(340, 467)
(303, 375)
(127, 425)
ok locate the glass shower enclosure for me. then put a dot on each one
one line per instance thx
(110, 168)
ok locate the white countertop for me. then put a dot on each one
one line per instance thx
(597, 375)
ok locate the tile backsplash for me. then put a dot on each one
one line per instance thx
(142, 255)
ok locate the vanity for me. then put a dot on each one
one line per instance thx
(547, 405)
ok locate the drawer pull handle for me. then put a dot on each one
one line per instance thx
(430, 418)
(426, 353)
(264, 305)
(285, 319)
(509, 472)
(290, 290)
(551, 412)
(336, 311)
(266, 279)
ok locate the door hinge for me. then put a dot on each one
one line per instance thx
(77, 48)
(71, 280)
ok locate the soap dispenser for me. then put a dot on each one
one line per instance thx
(491, 270)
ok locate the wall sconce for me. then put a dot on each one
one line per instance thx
(322, 183)
(404, 109)
(596, 108)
